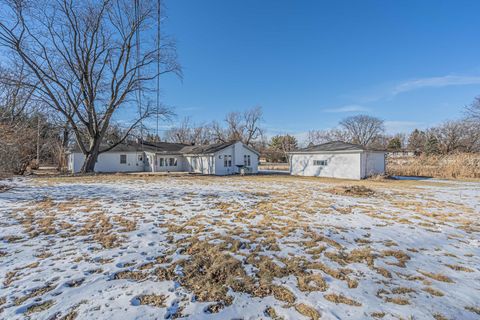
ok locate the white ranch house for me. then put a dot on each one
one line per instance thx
(216, 159)
(337, 160)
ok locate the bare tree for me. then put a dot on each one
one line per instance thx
(87, 62)
(243, 127)
(15, 98)
(473, 110)
(363, 129)
(252, 129)
(456, 136)
(322, 136)
(189, 133)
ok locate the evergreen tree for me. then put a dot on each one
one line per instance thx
(432, 146)
(394, 144)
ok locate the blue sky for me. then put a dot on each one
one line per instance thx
(309, 63)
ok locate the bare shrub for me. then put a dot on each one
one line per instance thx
(17, 147)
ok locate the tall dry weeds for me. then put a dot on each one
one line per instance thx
(453, 166)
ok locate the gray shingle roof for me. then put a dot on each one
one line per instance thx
(122, 147)
(165, 147)
(206, 149)
(332, 146)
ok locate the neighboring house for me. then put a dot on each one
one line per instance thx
(217, 159)
(337, 160)
(403, 153)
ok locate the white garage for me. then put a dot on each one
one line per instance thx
(337, 159)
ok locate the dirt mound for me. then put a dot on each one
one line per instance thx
(355, 191)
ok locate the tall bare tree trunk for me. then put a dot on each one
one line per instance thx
(91, 157)
(86, 62)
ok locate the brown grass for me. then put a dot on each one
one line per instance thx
(130, 275)
(311, 282)
(283, 294)
(397, 300)
(270, 312)
(339, 298)
(436, 276)
(38, 307)
(457, 267)
(402, 290)
(473, 309)
(401, 257)
(354, 190)
(439, 316)
(152, 300)
(442, 166)
(209, 273)
(308, 311)
(433, 291)
(34, 293)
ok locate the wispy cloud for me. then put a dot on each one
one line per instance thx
(434, 82)
(347, 109)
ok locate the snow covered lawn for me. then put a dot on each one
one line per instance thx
(266, 247)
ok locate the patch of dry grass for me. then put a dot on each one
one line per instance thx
(34, 293)
(308, 311)
(339, 298)
(152, 300)
(433, 291)
(283, 294)
(354, 191)
(457, 267)
(130, 275)
(439, 316)
(397, 300)
(401, 257)
(39, 307)
(436, 276)
(473, 309)
(311, 282)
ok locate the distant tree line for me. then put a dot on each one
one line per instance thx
(449, 137)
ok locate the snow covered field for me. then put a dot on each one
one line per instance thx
(266, 247)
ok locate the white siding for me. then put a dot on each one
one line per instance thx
(180, 167)
(373, 163)
(339, 165)
(109, 162)
(205, 164)
(253, 158)
(220, 168)
(200, 164)
(238, 152)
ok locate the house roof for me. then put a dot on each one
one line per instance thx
(166, 147)
(206, 149)
(334, 146)
(122, 147)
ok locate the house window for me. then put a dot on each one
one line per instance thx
(322, 163)
(172, 162)
(162, 162)
(227, 160)
(123, 159)
(246, 160)
(140, 158)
